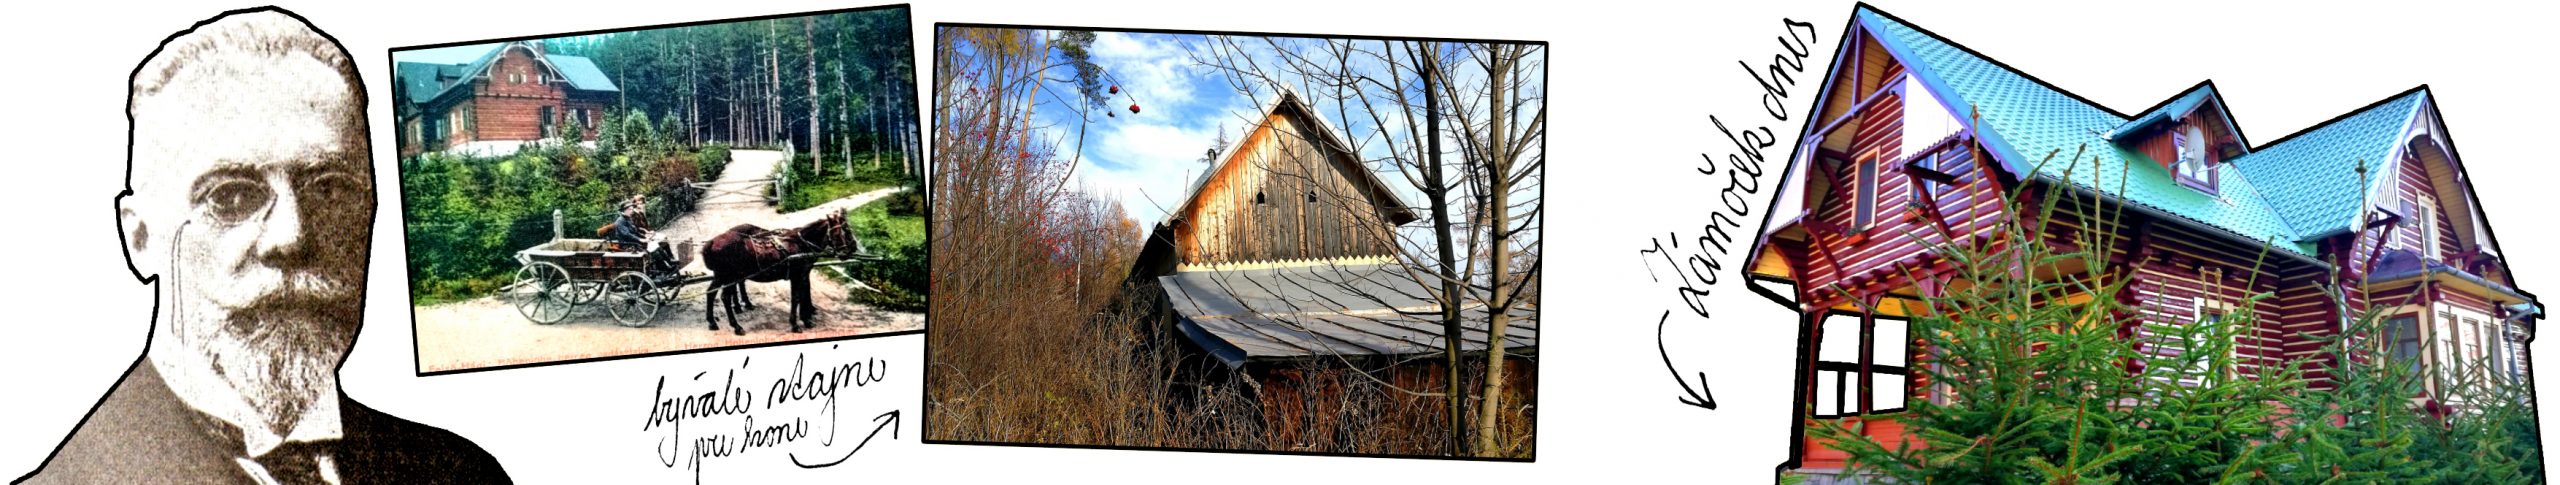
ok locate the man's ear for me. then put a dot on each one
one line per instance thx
(136, 237)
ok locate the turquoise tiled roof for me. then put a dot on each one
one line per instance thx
(419, 81)
(2311, 176)
(2023, 120)
(2180, 106)
(582, 73)
(425, 82)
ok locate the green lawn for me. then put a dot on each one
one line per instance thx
(810, 189)
(893, 228)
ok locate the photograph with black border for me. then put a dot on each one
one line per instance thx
(1236, 242)
(577, 197)
(1978, 256)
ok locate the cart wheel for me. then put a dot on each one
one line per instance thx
(585, 291)
(668, 287)
(634, 299)
(543, 293)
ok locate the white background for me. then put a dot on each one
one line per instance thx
(1633, 86)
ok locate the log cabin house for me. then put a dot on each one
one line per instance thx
(513, 94)
(1914, 139)
(1282, 265)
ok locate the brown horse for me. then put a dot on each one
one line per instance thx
(749, 253)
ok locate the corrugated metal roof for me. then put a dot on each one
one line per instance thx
(2023, 120)
(1269, 314)
(2177, 107)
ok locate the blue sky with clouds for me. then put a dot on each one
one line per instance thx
(1145, 159)
(1149, 160)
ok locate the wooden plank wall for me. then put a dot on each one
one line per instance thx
(1846, 263)
(2413, 179)
(1283, 196)
(2184, 273)
(2302, 313)
(2163, 148)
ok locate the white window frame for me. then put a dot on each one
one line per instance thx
(1847, 369)
(2418, 318)
(2469, 328)
(2222, 310)
(2196, 171)
(2427, 234)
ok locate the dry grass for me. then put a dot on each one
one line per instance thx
(1107, 378)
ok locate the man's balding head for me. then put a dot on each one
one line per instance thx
(251, 199)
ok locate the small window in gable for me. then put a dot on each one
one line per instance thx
(2428, 237)
(1865, 213)
(2194, 166)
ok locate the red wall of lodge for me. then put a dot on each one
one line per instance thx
(2174, 269)
(2413, 184)
(2179, 273)
(507, 104)
(2162, 147)
(1854, 261)
(1870, 260)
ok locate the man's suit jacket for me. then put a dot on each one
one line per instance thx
(143, 433)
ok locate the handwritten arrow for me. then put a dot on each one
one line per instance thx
(1699, 395)
(891, 425)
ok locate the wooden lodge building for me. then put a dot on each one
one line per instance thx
(1281, 263)
(1914, 139)
(513, 94)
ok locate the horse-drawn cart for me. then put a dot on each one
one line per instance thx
(558, 276)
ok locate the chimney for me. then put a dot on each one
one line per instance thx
(536, 45)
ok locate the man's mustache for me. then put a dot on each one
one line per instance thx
(324, 314)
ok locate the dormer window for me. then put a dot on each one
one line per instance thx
(2193, 166)
(2428, 239)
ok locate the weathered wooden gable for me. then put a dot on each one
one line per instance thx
(1287, 191)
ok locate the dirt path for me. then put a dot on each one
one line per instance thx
(487, 332)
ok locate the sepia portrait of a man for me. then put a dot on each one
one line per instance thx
(248, 203)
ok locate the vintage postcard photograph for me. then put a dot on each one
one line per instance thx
(1263, 243)
(662, 189)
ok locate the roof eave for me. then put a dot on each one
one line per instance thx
(2185, 221)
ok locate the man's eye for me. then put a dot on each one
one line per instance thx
(236, 200)
(335, 192)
